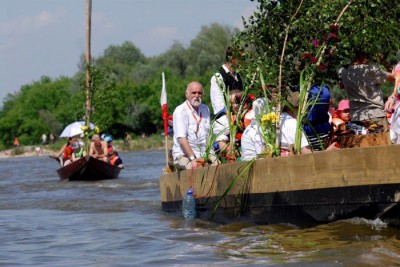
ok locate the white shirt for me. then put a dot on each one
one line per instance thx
(221, 128)
(259, 107)
(186, 120)
(395, 126)
(253, 143)
(216, 93)
(288, 132)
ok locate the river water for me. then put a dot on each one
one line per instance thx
(47, 222)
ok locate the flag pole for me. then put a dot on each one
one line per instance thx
(88, 66)
(164, 107)
(87, 57)
(166, 150)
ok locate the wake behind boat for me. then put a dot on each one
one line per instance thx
(305, 189)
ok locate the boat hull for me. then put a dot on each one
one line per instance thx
(303, 190)
(88, 169)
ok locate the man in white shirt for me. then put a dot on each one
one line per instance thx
(191, 122)
(226, 82)
(259, 105)
(253, 143)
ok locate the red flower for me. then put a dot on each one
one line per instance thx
(334, 28)
(322, 67)
(315, 43)
(306, 55)
(313, 60)
(333, 36)
(252, 97)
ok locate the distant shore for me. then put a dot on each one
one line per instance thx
(154, 142)
(29, 151)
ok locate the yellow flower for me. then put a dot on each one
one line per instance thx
(264, 120)
(96, 130)
(84, 128)
(270, 117)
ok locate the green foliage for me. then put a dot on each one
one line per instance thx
(207, 50)
(126, 90)
(364, 25)
(127, 85)
(121, 60)
(33, 111)
(285, 38)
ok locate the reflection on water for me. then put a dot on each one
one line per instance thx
(46, 222)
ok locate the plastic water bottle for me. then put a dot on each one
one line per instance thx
(189, 205)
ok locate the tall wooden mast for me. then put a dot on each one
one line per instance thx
(88, 61)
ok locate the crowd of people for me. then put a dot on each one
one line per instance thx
(100, 148)
(364, 111)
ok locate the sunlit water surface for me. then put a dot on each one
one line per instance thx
(47, 222)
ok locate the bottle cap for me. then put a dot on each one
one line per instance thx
(190, 191)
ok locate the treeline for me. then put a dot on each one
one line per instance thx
(127, 87)
(281, 41)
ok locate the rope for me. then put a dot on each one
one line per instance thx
(211, 186)
(191, 179)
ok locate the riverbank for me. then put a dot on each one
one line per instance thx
(153, 142)
(26, 151)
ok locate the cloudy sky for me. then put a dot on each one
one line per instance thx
(47, 37)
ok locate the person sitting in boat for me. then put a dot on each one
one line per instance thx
(220, 127)
(253, 144)
(109, 139)
(341, 118)
(259, 105)
(68, 150)
(241, 116)
(60, 155)
(191, 122)
(318, 126)
(224, 84)
(79, 150)
(114, 159)
(98, 148)
(264, 104)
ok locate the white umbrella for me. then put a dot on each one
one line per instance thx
(75, 129)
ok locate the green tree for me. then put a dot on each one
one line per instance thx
(291, 35)
(121, 60)
(34, 111)
(174, 59)
(207, 51)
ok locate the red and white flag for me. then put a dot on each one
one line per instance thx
(164, 105)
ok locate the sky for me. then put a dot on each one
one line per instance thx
(47, 37)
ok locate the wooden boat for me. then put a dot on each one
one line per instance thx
(304, 190)
(88, 169)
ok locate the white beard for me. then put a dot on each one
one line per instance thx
(195, 102)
